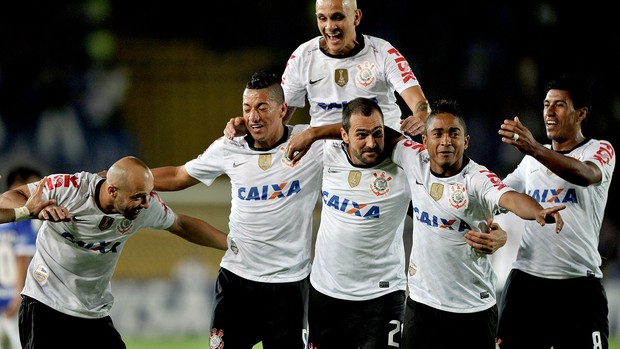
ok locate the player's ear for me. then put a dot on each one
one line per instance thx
(344, 135)
(358, 17)
(583, 113)
(283, 110)
(112, 190)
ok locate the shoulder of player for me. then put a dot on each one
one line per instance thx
(377, 42)
(235, 144)
(477, 174)
(407, 144)
(599, 143)
(307, 48)
(294, 129)
(71, 182)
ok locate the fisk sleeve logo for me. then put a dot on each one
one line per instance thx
(405, 70)
(413, 145)
(59, 181)
(605, 153)
(497, 183)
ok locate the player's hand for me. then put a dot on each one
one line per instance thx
(551, 215)
(515, 133)
(235, 128)
(45, 210)
(413, 125)
(299, 144)
(487, 242)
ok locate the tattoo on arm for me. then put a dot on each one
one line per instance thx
(422, 106)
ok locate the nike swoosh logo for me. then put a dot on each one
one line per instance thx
(418, 183)
(312, 82)
(238, 164)
(78, 219)
(329, 170)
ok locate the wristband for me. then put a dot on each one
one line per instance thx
(21, 213)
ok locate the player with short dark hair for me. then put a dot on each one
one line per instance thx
(358, 278)
(452, 302)
(553, 296)
(262, 285)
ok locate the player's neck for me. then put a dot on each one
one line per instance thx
(569, 143)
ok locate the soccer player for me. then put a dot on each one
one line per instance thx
(553, 296)
(262, 285)
(341, 64)
(17, 243)
(451, 301)
(67, 296)
(358, 278)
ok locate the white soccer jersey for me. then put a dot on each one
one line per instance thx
(574, 251)
(359, 252)
(329, 82)
(270, 223)
(444, 271)
(74, 261)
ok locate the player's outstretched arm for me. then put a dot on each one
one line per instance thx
(526, 207)
(172, 178)
(300, 142)
(24, 205)
(199, 232)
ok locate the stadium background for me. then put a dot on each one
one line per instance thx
(161, 80)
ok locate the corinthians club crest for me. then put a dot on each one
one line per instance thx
(215, 339)
(380, 186)
(458, 196)
(365, 74)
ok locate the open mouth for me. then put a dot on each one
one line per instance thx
(333, 37)
(551, 124)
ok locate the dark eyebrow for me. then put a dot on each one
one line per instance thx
(451, 129)
(367, 130)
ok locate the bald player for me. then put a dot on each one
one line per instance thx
(67, 296)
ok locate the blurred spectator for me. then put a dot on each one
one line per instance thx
(17, 245)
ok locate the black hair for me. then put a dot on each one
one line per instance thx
(576, 86)
(362, 105)
(21, 174)
(447, 106)
(261, 80)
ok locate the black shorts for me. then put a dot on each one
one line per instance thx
(43, 327)
(427, 327)
(247, 312)
(563, 313)
(343, 324)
